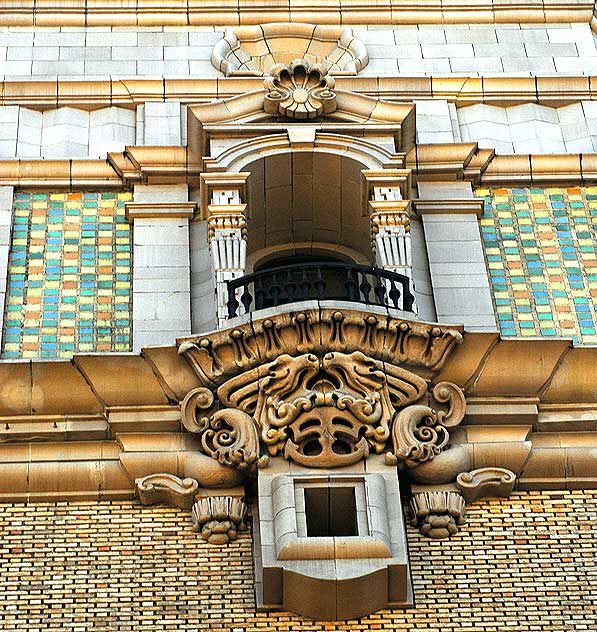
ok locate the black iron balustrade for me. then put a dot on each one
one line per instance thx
(319, 281)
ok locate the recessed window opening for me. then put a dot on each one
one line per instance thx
(330, 511)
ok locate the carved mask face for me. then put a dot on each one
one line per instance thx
(327, 433)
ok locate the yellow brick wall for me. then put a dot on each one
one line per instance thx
(524, 563)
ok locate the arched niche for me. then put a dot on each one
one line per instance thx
(300, 197)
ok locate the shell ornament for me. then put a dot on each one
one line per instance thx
(299, 91)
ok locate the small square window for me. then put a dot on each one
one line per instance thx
(331, 511)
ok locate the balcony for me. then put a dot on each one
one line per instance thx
(320, 281)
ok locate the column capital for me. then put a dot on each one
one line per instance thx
(376, 181)
(389, 213)
(222, 188)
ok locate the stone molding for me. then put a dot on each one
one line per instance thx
(177, 13)
(251, 51)
(160, 210)
(165, 165)
(555, 91)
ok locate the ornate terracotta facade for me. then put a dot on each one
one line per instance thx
(317, 231)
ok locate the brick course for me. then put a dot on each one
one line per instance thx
(523, 563)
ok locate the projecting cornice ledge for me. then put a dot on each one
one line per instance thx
(88, 428)
(230, 13)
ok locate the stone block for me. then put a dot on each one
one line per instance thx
(574, 65)
(579, 145)
(377, 67)
(16, 68)
(170, 67)
(127, 68)
(76, 53)
(162, 306)
(205, 38)
(166, 39)
(539, 49)
(463, 300)
(103, 38)
(423, 67)
(19, 53)
(539, 146)
(172, 283)
(500, 146)
(531, 112)
(484, 49)
(435, 137)
(27, 150)
(166, 233)
(423, 34)
(187, 52)
(485, 129)
(376, 36)
(20, 37)
(452, 231)
(59, 38)
(105, 116)
(203, 68)
(30, 118)
(9, 114)
(138, 53)
(435, 51)
(528, 65)
(571, 114)
(161, 193)
(58, 68)
(65, 116)
(64, 150)
(454, 252)
(8, 149)
(150, 256)
(480, 65)
(483, 35)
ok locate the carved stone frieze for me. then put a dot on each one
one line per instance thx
(219, 519)
(438, 514)
(420, 347)
(299, 91)
(319, 412)
(167, 489)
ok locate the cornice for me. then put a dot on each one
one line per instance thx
(500, 91)
(165, 165)
(88, 428)
(230, 13)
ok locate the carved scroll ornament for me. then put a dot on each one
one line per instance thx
(319, 412)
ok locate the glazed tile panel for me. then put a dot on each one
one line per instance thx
(541, 250)
(69, 277)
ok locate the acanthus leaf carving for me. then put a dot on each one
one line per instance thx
(198, 403)
(229, 436)
(420, 433)
(219, 519)
(438, 514)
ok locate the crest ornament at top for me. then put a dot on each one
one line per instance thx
(300, 91)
